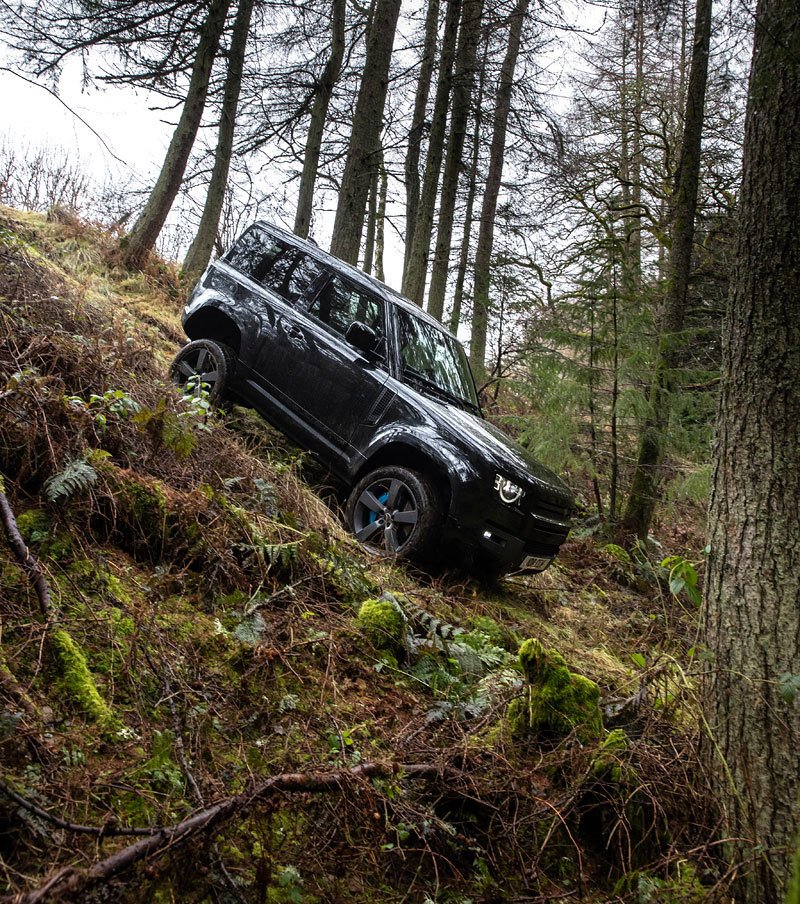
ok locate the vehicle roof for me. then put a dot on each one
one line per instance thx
(358, 276)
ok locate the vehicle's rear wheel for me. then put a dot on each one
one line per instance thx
(395, 511)
(204, 365)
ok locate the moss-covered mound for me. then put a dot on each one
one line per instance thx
(557, 702)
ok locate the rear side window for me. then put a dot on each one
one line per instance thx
(339, 304)
(275, 265)
(254, 253)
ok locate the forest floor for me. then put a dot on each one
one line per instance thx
(205, 651)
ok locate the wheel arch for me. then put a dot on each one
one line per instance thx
(211, 322)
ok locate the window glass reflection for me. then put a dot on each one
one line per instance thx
(433, 356)
(275, 265)
(339, 304)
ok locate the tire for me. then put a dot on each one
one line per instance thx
(207, 364)
(395, 511)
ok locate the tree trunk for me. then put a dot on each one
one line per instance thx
(752, 617)
(645, 484)
(483, 253)
(417, 266)
(362, 151)
(372, 217)
(418, 122)
(199, 253)
(472, 182)
(319, 112)
(141, 239)
(380, 229)
(463, 78)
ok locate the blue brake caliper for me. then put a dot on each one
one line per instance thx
(373, 516)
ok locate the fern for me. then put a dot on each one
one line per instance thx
(77, 477)
(281, 554)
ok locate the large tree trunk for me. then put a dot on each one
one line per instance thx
(463, 78)
(417, 262)
(752, 617)
(483, 253)
(418, 122)
(316, 127)
(141, 239)
(364, 146)
(644, 490)
(199, 252)
(472, 183)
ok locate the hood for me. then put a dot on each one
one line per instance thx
(507, 456)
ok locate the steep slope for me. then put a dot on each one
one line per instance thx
(214, 642)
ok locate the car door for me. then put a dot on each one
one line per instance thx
(335, 385)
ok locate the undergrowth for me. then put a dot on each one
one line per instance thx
(209, 600)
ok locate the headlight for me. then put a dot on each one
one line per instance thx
(508, 491)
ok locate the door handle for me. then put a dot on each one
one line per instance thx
(293, 332)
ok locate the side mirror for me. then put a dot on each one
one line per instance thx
(362, 337)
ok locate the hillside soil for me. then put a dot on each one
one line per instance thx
(222, 697)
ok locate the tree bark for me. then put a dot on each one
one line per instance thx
(644, 490)
(141, 239)
(319, 113)
(418, 122)
(362, 151)
(380, 227)
(752, 615)
(463, 78)
(199, 252)
(472, 183)
(416, 268)
(483, 253)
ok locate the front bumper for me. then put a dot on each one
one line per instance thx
(501, 537)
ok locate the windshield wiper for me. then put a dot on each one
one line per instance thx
(435, 388)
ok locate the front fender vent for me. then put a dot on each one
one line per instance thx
(380, 407)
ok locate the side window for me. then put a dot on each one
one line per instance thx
(298, 272)
(254, 254)
(276, 265)
(339, 304)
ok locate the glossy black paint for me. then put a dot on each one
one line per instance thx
(352, 406)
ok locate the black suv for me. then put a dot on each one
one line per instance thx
(381, 393)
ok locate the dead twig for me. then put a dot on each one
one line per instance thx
(70, 883)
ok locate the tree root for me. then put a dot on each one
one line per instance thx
(69, 884)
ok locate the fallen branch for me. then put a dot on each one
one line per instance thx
(70, 883)
(24, 556)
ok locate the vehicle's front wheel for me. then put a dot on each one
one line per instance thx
(396, 511)
(204, 365)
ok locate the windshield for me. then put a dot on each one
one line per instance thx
(435, 358)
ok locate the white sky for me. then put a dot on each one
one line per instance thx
(133, 132)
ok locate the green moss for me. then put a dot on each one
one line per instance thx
(78, 679)
(94, 578)
(37, 529)
(618, 553)
(608, 765)
(147, 504)
(499, 636)
(557, 701)
(383, 624)
(33, 524)
(793, 897)
(682, 888)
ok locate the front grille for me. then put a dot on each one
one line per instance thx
(551, 508)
